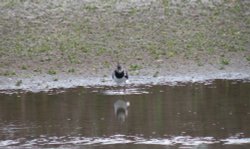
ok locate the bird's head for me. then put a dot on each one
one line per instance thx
(119, 67)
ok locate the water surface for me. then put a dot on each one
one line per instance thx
(186, 115)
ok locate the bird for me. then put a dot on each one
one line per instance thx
(119, 75)
(121, 109)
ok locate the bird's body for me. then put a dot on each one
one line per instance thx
(119, 75)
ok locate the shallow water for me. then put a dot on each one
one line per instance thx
(213, 114)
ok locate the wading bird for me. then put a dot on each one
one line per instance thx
(119, 75)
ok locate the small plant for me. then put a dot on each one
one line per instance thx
(248, 58)
(210, 50)
(199, 63)
(91, 8)
(51, 72)
(72, 70)
(72, 59)
(9, 73)
(132, 11)
(23, 67)
(224, 61)
(37, 70)
(222, 67)
(101, 51)
(55, 79)
(84, 49)
(134, 67)
(106, 64)
(170, 54)
(19, 82)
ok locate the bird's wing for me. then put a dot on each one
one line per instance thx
(126, 75)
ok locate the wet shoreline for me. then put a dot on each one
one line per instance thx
(184, 141)
(48, 82)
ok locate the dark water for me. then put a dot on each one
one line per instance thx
(190, 115)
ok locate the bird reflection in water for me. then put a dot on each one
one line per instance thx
(121, 109)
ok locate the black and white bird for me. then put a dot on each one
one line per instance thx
(119, 75)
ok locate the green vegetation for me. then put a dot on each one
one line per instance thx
(72, 70)
(51, 72)
(224, 61)
(106, 64)
(10, 3)
(23, 67)
(37, 70)
(101, 51)
(9, 73)
(248, 58)
(134, 67)
(90, 7)
(77, 33)
(199, 63)
(210, 50)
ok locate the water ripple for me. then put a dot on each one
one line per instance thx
(121, 139)
(127, 91)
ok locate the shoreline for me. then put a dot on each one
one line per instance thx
(46, 83)
(156, 41)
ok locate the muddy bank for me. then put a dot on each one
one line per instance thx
(44, 44)
(48, 82)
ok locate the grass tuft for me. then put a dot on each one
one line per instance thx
(72, 70)
(52, 72)
(134, 67)
(248, 58)
(224, 61)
